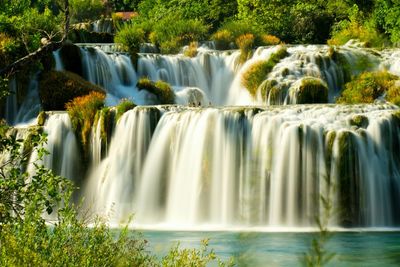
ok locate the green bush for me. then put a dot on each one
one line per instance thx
(172, 32)
(130, 36)
(86, 10)
(356, 28)
(257, 72)
(58, 88)
(82, 111)
(369, 86)
(160, 89)
(311, 90)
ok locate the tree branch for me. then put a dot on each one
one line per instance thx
(14, 67)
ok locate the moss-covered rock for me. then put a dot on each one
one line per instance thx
(58, 88)
(310, 90)
(258, 71)
(41, 118)
(369, 86)
(160, 89)
(123, 106)
(359, 121)
(71, 58)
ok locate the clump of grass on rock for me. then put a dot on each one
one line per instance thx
(82, 111)
(311, 90)
(160, 89)
(257, 72)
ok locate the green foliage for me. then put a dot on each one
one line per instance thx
(357, 27)
(173, 32)
(86, 10)
(191, 257)
(123, 106)
(160, 89)
(130, 36)
(257, 72)
(82, 111)
(311, 90)
(369, 86)
(56, 88)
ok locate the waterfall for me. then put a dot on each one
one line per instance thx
(217, 75)
(28, 108)
(64, 155)
(250, 166)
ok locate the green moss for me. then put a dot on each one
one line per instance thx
(359, 121)
(369, 86)
(257, 72)
(160, 89)
(71, 57)
(271, 91)
(311, 90)
(58, 88)
(41, 118)
(123, 107)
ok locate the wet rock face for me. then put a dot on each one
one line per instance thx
(71, 58)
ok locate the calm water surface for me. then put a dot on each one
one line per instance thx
(286, 249)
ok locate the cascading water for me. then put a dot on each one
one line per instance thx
(217, 76)
(184, 167)
(30, 106)
(250, 166)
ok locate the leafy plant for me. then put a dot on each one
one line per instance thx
(82, 111)
(369, 86)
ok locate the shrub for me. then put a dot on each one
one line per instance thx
(130, 36)
(160, 89)
(355, 28)
(369, 86)
(236, 28)
(82, 111)
(123, 106)
(257, 72)
(268, 39)
(86, 10)
(245, 43)
(173, 32)
(56, 88)
(191, 50)
(311, 90)
(223, 39)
